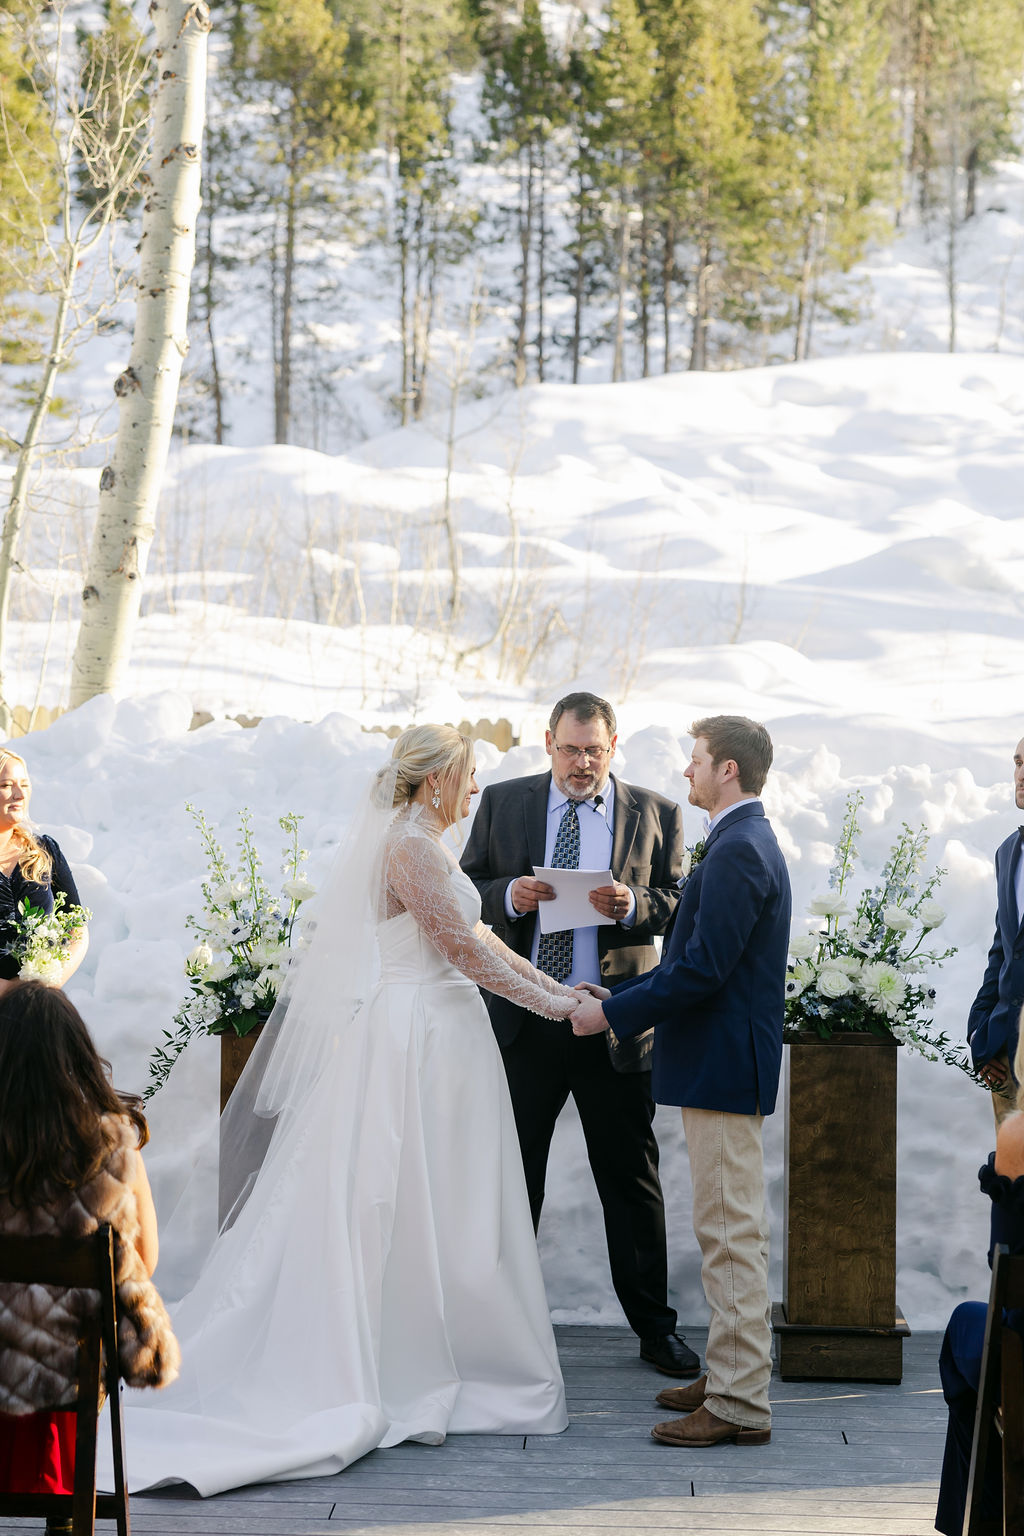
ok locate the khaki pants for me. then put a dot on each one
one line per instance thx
(727, 1170)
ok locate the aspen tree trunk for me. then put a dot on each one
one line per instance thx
(148, 387)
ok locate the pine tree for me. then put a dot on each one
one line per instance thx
(525, 100)
(307, 72)
(616, 159)
(414, 46)
(28, 185)
(957, 65)
(714, 76)
(844, 131)
(89, 133)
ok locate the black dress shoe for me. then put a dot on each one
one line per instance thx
(670, 1354)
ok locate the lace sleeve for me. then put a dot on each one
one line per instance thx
(418, 875)
(521, 966)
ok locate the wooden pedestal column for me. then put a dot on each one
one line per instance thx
(839, 1320)
(235, 1051)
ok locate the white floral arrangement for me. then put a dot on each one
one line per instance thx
(245, 938)
(870, 975)
(42, 941)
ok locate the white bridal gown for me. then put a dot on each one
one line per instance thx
(382, 1282)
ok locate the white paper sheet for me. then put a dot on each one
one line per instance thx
(570, 908)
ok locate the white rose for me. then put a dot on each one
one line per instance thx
(685, 864)
(298, 889)
(220, 970)
(803, 946)
(930, 914)
(833, 983)
(199, 958)
(829, 906)
(898, 919)
(228, 891)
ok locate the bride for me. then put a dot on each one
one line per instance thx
(380, 1280)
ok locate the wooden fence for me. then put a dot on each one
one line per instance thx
(500, 732)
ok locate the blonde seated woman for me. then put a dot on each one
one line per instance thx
(32, 868)
(380, 1282)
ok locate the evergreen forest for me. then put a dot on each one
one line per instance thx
(657, 185)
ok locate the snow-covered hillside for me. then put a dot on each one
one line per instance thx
(835, 548)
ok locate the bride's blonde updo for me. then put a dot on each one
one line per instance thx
(424, 749)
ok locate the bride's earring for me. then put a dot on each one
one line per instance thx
(435, 799)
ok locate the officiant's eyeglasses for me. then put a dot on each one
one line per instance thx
(574, 754)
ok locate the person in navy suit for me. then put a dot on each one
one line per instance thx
(716, 1003)
(992, 1022)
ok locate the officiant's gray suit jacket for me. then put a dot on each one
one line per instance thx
(507, 839)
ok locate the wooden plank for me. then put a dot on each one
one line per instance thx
(843, 1461)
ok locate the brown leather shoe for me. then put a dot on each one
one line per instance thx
(684, 1399)
(702, 1428)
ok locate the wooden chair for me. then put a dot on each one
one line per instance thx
(88, 1264)
(1000, 1399)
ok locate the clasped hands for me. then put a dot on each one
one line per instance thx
(993, 1074)
(588, 1015)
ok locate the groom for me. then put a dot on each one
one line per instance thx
(580, 815)
(716, 1003)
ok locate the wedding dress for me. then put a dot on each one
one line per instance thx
(381, 1281)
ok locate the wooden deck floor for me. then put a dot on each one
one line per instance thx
(843, 1461)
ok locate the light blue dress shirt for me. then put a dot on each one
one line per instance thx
(597, 827)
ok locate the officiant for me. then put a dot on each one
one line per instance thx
(580, 815)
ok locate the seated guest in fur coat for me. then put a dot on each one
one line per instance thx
(69, 1161)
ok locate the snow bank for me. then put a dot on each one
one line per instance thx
(111, 782)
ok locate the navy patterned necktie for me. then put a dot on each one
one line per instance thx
(554, 952)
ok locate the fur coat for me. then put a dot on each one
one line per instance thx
(39, 1324)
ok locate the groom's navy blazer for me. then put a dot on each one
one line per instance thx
(992, 1022)
(718, 997)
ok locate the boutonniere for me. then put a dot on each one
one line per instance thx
(691, 858)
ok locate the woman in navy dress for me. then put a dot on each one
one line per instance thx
(32, 867)
(1002, 1180)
